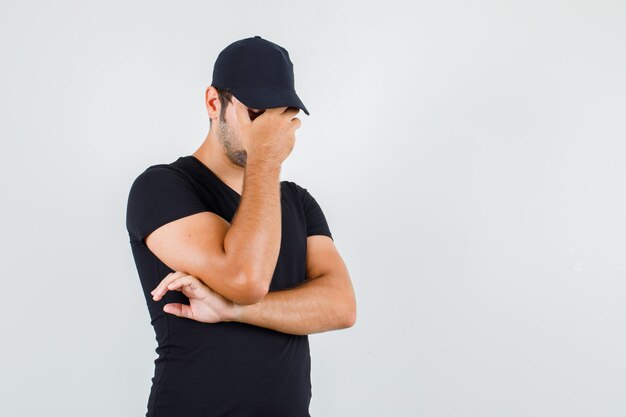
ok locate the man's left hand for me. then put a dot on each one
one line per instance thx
(205, 305)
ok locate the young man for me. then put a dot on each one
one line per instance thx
(237, 266)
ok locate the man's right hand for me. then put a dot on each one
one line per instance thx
(271, 136)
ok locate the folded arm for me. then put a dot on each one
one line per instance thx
(324, 302)
(238, 259)
(320, 304)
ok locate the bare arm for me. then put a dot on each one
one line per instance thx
(237, 260)
(326, 301)
(316, 306)
(254, 236)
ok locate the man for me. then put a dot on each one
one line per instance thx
(237, 267)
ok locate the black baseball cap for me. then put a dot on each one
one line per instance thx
(258, 72)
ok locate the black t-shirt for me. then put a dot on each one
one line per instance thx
(228, 368)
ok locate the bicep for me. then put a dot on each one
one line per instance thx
(158, 196)
(323, 258)
(166, 214)
(195, 245)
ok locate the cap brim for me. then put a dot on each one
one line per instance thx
(268, 97)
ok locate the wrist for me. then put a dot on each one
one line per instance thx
(257, 163)
(237, 312)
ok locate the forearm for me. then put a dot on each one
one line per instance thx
(254, 236)
(316, 306)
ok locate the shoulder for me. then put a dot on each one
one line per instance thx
(158, 195)
(160, 175)
(316, 223)
(157, 185)
(297, 191)
(303, 195)
(293, 186)
(302, 191)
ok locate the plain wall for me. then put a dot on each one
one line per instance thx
(469, 158)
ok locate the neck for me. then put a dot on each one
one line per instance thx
(211, 154)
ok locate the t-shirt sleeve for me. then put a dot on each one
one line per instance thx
(159, 195)
(316, 223)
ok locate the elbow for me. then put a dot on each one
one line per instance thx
(251, 296)
(350, 319)
(349, 315)
(249, 290)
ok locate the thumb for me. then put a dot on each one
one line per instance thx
(177, 309)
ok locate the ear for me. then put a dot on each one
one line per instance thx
(212, 102)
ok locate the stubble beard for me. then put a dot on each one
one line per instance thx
(236, 154)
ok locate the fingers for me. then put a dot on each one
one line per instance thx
(284, 111)
(161, 289)
(243, 117)
(278, 110)
(180, 310)
(291, 111)
(190, 286)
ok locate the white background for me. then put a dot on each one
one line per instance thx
(469, 158)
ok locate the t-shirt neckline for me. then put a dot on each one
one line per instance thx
(213, 174)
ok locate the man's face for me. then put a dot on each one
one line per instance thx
(228, 132)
